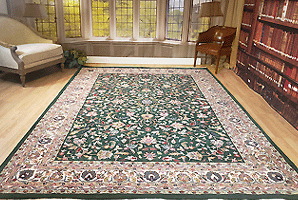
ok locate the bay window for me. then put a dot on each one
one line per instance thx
(135, 20)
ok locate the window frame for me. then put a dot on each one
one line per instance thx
(86, 22)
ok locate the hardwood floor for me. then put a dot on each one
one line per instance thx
(20, 107)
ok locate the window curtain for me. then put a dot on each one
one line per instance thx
(233, 18)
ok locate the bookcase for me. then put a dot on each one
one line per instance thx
(267, 58)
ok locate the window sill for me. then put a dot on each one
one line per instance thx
(126, 41)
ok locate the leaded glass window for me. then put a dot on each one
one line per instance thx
(124, 18)
(72, 18)
(48, 26)
(100, 18)
(174, 19)
(197, 24)
(147, 24)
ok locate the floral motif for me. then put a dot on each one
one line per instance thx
(148, 140)
(151, 176)
(26, 174)
(149, 155)
(194, 156)
(104, 154)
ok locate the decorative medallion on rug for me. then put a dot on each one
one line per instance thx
(146, 133)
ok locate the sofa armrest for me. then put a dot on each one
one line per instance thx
(9, 58)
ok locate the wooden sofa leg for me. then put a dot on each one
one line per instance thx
(62, 67)
(22, 77)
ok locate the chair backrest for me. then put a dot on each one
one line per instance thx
(222, 34)
(15, 32)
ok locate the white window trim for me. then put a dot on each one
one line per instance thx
(86, 22)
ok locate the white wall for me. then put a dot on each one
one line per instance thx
(3, 7)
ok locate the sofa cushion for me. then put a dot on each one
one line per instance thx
(31, 53)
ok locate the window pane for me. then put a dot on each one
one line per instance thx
(124, 18)
(48, 27)
(100, 18)
(72, 18)
(174, 19)
(147, 24)
(197, 24)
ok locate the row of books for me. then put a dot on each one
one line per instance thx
(284, 10)
(270, 74)
(281, 41)
(277, 78)
(271, 60)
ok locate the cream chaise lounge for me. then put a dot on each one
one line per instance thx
(23, 50)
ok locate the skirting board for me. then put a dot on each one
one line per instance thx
(141, 60)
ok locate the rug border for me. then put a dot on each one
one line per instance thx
(142, 196)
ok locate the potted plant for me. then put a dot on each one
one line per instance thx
(74, 58)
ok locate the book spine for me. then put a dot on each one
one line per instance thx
(294, 50)
(295, 14)
(258, 32)
(284, 10)
(280, 9)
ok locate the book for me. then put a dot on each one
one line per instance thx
(246, 19)
(274, 8)
(287, 85)
(295, 13)
(280, 9)
(270, 34)
(294, 50)
(265, 33)
(243, 38)
(283, 41)
(284, 10)
(258, 31)
(289, 45)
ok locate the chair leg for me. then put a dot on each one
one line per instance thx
(22, 77)
(195, 61)
(228, 58)
(217, 63)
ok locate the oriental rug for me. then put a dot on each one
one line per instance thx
(146, 133)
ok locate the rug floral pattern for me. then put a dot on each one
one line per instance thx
(64, 155)
(145, 117)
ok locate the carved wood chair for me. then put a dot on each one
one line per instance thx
(216, 41)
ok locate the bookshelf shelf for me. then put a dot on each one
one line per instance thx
(249, 7)
(246, 27)
(267, 57)
(276, 54)
(286, 25)
(273, 86)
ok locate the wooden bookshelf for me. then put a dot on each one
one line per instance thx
(267, 57)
